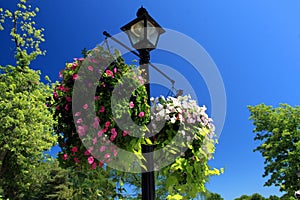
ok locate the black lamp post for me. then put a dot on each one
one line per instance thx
(143, 33)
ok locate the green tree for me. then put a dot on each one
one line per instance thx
(255, 196)
(25, 120)
(214, 196)
(278, 129)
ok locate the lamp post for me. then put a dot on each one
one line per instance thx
(143, 33)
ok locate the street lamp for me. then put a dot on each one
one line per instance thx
(143, 33)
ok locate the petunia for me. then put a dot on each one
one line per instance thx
(95, 140)
(81, 130)
(96, 122)
(55, 95)
(87, 153)
(90, 68)
(113, 134)
(115, 152)
(141, 114)
(85, 106)
(79, 121)
(107, 124)
(77, 114)
(91, 160)
(125, 133)
(94, 165)
(74, 65)
(107, 156)
(67, 107)
(101, 164)
(76, 160)
(65, 156)
(131, 104)
(68, 99)
(102, 109)
(74, 149)
(75, 76)
(109, 73)
(102, 148)
(61, 73)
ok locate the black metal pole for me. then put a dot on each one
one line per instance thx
(148, 181)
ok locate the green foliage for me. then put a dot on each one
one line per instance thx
(279, 131)
(24, 32)
(214, 196)
(25, 120)
(26, 127)
(257, 196)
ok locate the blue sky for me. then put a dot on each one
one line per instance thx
(255, 45)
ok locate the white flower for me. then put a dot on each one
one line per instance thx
(173, 120)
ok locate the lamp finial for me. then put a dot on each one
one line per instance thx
(141, 11)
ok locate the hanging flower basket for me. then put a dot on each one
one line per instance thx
(96, 130)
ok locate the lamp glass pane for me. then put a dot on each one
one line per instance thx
(152, 33)
(136, 32)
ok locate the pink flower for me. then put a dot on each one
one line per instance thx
(115, 70)
(61, 88)
(107, 124)
(141, 80)
(107, 155)
(96, 98)
(113, 134)
(141, 114)
(74, 149)
(61, 73)
(100, 133)
(67, 107)
(85, 106)
(125, 133)
(74, 65)
(131, 104)
(66, 89)
(79, 121)
(102, 148)
(75, 76)
(96, 122)
(102, 109)
(81, 130)
(101, 164)
(77, 114)
(80, 59)
(68, 99)
(87, 153)
(90, 68)
(115, 152)
(91, 160)
(65, 156)
(94, 165)
(95, 140)
(55, 95)
(76, 160)
(109, 73)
